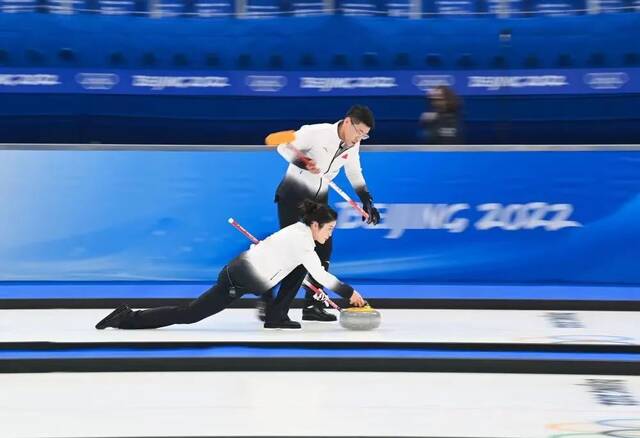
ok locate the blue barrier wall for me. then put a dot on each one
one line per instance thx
(458, 47)
(448, 217)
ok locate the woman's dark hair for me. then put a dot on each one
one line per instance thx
(313, 212)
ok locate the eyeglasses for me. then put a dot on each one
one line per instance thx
(359, 133)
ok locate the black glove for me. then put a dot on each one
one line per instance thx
(367, 205)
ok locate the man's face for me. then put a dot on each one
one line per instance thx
(355, 131)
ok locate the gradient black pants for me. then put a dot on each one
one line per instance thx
(234, 280)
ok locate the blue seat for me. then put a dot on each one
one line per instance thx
(244, 61)
(61, 6)
(35, 57)
(265, 8)
(12, 6)
(171, 8)
(116, 59)
(397, 8)
(450, 8)
(631, 59)
(370, 60)
(306, 8)
(149, 59)
(213, 8)
(307, 60)
(180, 60)
(557, 8)
(597, 59)
(498, 62)
(212, 60)
(465, 62)
(276, 62)
(531, 61)
(495, 8)
(67, 55)
(401, 60)
(433, 60)
(614, 6)
(117, 7)
(359, 7)
(564, 60)
(340, 61)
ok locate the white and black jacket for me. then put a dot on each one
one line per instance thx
(321, 143)
(271, 260)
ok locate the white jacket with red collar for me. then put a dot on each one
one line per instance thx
(322, 144)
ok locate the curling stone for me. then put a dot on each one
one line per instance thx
(360, 318)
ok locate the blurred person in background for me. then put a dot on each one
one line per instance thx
(442, 123)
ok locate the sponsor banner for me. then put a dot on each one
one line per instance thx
(448, 217)
(333, 83)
